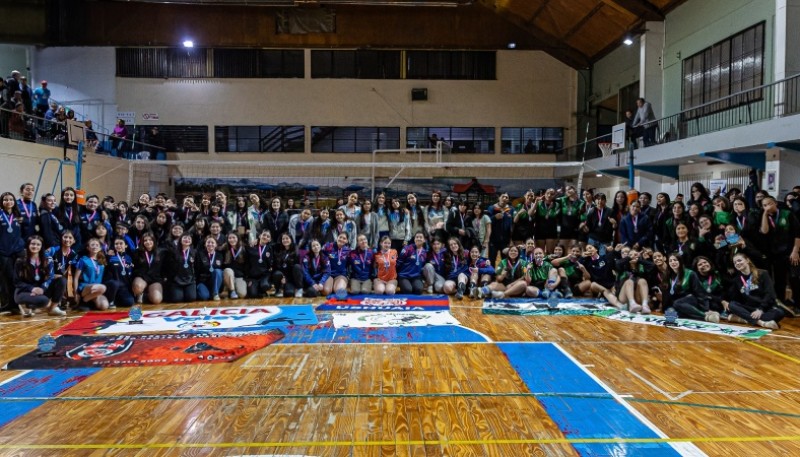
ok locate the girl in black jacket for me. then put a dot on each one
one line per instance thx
(751, 297)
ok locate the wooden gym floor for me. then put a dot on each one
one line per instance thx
(541, 386)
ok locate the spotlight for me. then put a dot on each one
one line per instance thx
(627, 41)
(512, 45)
(188, 44)
(599, 175)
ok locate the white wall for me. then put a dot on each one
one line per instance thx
(532, 90)
(618, 69)
(83, 76)
(15, 57)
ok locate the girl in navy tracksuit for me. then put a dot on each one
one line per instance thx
(35, 283)
(316, 270)
(410, 262)
(456, 269)
(433, 269)
(481, 271)
(337, 253)
(361, 263)
(119, 274)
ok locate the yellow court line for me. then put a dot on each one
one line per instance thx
(773, 351)
(720, 439)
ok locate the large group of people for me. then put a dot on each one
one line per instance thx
(711, 256)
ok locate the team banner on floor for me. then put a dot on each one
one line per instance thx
(693, 325)
(73, 351)
(237, 319)
(540, 307)
(393, 303)
(384, 319)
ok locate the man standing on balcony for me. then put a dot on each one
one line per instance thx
(645, 118)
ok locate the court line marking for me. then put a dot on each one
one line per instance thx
(657, 389)
(772, 351)
(22, 373)
(784, 336)
(43, 319)
(439, 442)
(682, 449)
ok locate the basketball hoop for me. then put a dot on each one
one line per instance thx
(606, 148)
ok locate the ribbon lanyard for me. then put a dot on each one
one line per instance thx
(236, 254)
(386, 260)
(121, 256)
(363, 258)
(635, 220)
(96, 266)
(741, 222)
(149, 258)
(514, 268)
(462, 220)
(600, 217)
(747, 284)
(35, 266)
(419, 251)
(771, 221)
(672, 288)
(9, 220)
(69, 214)
(339, 254)
(710, 278)
(211, 258)
(26, 208)
(261, 250)
(186, 257)
(91, 218)
(316, 264)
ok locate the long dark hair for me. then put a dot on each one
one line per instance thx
(448, 254)
(15, 208)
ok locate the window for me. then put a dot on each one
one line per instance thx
(532, 140)
(194, 63)
(468, 140)
(183, 138)
(355, 64)
(262, 138)
(354, 139)
(451, 65)
(258, 63)
(733, 65)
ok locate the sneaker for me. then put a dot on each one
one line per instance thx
(112, 305)
(712, 316)
(233, 295)
(279, 294)
(56, 311)
(635, 308)
(544, 293)
(736, 319)
(430, 290)
(770, 324)
(341, 294)
(25, 311)
(473, 292)
(459, 295)
(298, 294)
(497, 294)
(140, 299)
(216, 297)
(484, 292)
(646, 308)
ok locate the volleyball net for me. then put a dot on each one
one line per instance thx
(332, 179)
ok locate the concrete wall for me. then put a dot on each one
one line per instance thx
(81, 77)
(531, 90)
(22, 162)
(618, 69)
(698, 24)
(14, 57)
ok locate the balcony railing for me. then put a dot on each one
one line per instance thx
(762, 103)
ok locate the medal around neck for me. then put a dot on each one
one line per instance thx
(135, 315)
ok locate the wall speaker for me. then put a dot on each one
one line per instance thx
(419, 94)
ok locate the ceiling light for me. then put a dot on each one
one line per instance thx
(188, 44)
(512, 45)
(627, 41)
(690, 161)
(599, 175)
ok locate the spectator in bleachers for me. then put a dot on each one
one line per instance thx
(118, 137)
(27, 94)
(41, 99)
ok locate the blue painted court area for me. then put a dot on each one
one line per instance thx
(37, 384)
(579, 405)
(328, 334)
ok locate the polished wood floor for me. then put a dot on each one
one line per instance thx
(726, 396)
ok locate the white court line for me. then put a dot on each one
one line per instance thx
(657, 389)
(686, 449)
(785, 336)
(14, 377)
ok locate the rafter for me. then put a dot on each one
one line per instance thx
(579, 25)
(642, 9)
(549, 43)
(538, 11)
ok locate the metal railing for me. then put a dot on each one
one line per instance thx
(762, 103)
(33, 129)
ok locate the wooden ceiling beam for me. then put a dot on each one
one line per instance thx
(642, 9)
(538, 11)
(579, 25)
(549, 43)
